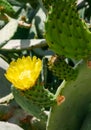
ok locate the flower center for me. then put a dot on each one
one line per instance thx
(25, 74)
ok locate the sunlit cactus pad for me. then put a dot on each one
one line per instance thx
(66, 33)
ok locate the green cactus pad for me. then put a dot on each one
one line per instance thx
(73, 113)
(28, 105)
(40, 96)
(86, 125)
(34, 100)
(66, 33)
(61, 69)
(6, 7)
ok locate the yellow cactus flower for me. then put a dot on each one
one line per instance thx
(24, 72)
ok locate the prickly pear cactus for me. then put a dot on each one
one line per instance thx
(75, 112)
(66, 33)
(34, 100)
(61, 69)
(40, 96)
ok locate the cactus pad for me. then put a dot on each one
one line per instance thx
(66, 33)
(40, 96)
(61, 69)
(75, 112)
(35, 100)
(27, 104)
(6, 7)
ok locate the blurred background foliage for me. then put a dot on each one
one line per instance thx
(31, 16)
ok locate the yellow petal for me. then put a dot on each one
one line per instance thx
(24, 72)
